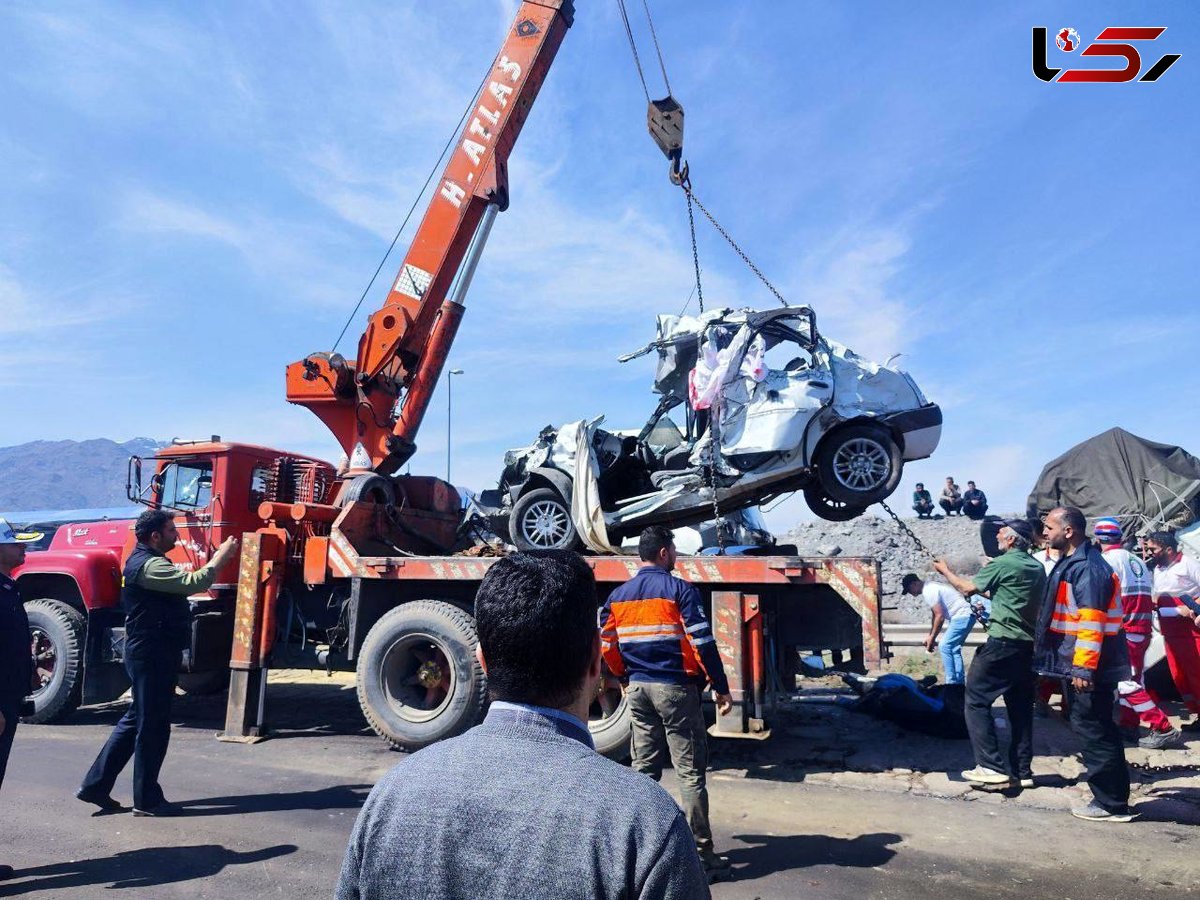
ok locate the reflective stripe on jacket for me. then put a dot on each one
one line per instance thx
(653, 628)
(1137, 601)
(1079, 631)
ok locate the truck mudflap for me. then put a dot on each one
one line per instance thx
(104, 675)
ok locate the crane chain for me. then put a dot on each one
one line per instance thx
(695, 249)
(1165, 769)
(905, 530)
(687, 187)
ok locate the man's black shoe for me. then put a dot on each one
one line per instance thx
(163, 809)
(1190, 727)
(105, 802)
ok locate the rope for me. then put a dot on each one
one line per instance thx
(392, 246)
(657, 49)
(633, 46)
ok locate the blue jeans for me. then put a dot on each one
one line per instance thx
(957, 630)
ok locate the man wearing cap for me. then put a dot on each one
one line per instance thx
(1004, 665)
(946, 605)
(1137, 604)
(1079, 639)
(18, 675)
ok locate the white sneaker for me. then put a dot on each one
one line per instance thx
(984, 775)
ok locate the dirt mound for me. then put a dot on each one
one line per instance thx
(955, 539)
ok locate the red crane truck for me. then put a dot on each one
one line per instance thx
(347, 569)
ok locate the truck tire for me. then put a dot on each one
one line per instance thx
(859, 464)
(609, 721)
(541, 520)
(418, 678)
(56, 632)
(202, 684)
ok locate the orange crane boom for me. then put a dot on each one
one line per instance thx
(375, 405)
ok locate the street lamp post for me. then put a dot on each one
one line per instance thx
(449, 412)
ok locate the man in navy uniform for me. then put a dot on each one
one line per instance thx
(157, 630)
(18, 676)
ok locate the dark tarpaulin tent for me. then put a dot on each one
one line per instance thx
(1119, 474)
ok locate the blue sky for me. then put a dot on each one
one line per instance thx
(195, 195)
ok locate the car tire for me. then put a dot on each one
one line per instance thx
(203, 684)
(610, 721)
(57, 631)
(829, 509)
(418, 678)
(859, 464)
(541, 520)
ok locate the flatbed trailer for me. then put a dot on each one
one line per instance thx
(765, 609)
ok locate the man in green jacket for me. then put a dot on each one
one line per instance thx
(1004, 665)
(157, 630)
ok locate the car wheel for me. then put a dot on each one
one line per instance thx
(829, 509)
(859, 464)
(56, 633)
(418, 678)
(541, 520)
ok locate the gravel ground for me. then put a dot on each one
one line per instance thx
(956, 539)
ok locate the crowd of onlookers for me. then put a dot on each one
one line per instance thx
(1071, 614)
(971, 503)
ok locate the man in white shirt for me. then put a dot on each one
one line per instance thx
(1176, 593)
(946, 605)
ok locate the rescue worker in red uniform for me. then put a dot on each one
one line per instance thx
(1176, 591)
(1137, 604)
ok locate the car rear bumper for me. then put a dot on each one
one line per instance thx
(920, 430)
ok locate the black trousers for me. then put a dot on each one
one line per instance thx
(1103, 752)
(974, 512)
(1002, 667)
(11, 710)
(143, 732)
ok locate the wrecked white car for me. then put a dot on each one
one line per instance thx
(769, 406)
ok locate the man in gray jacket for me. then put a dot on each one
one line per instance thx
(522, 806)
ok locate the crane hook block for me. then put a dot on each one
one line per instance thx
(665, 119)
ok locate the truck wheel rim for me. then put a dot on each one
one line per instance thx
(45, 656)
(545, 524)
(862, 464)
(417, 678)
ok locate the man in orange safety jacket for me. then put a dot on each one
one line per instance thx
(1079, 638)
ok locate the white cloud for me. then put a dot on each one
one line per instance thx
(60, 310)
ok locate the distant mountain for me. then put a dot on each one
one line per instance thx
(68, 474)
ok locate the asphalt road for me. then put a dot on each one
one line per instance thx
(273, 819)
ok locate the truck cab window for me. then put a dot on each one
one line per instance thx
(187, 485)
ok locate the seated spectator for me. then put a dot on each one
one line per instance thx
(922, 502)
(522, 805)
(951, 500)
(945, 605)
(974, 502)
